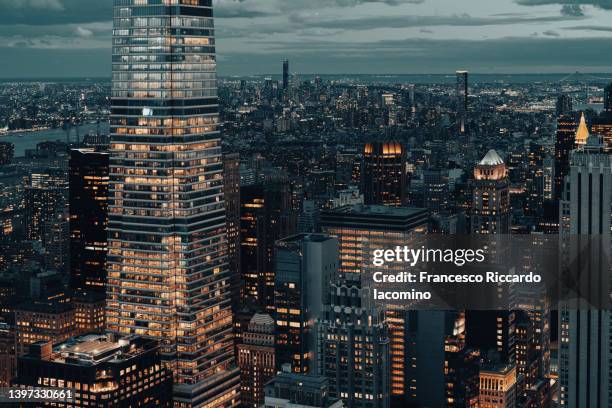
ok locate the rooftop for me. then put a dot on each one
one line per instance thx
(491, 159)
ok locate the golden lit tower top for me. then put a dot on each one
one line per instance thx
(582, 134)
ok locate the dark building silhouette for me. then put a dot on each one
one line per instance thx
(608, 98)
(265, 217)
(462, 99)
(564, 144)
(7, 151)
(564, 105)
(88, 197)
(285, 74)
(231, 186)
(384, 174)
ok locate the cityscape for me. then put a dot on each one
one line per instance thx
(175, 236)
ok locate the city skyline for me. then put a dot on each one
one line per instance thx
(65, 38)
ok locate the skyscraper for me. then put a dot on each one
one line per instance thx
(384, 174)
(256, 359)
(88, 197)
(491, 203)
(305, 265)
(564, 105)
(285, 74)
(608, 98)
(167, 263)
(462, 99)
(585, 333)
(564, 144)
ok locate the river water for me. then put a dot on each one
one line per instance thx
(29, 140)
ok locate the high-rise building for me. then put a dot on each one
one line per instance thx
(256, 360)
(498, 386)
(305, 264)
(7, 354)
(56, 240)
(89, 312)
(491, 201)
(564, 105)
(353, 349)
(231, 171)
(285, 74)
(41, 205)
(384, 174)
(88, 197)
(99, 370)
(265, 216)
(360, 229)
(7, 150)
(564, 144)
(462, 99)
(291, 390)
(167, 275)
(608, 98)
(585, 333)
(43, 321)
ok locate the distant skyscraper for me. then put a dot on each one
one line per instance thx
(586, 333)
(44, 197)
(285, 74)
(384, 174)
(491, 202)
(564, 144)
(168, 277)
(608, 98)
(7, 150)
(256, 360)
(462, 99)
(582, 133)
(88, 197)
(564, 105)
(305, 264)
(56, 240)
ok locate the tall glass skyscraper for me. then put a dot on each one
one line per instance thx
(167, 264)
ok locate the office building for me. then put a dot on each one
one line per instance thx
(584, 332)
(285, 75)
(88, 197)
(305, 264)
(167, 275)
(384, 174)
(56, 241)
(564, 144)
(363, 227)
(42, 203)
(231, 186)
(290, 390)
(564, 105)
(497, 386)
(608, 98)
(100, 371)
(7, 354)
(89, 312)
(256, 359)
(43, 321)
(462, 93)
(265, 216)
(491, 199)
(7, 151)
(353, 349)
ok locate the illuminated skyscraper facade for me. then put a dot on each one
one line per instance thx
(566, 134)
(462, 99)
(491, 201)
(384, 174)
(168, 277)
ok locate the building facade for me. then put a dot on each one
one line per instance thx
(168, 277)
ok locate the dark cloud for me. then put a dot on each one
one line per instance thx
(591, 28)
(551, 33)
(604, 4)
(44, 12)
(572, 10)
(463, 20)
(418, 55)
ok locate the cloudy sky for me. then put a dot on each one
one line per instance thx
(50, 38)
